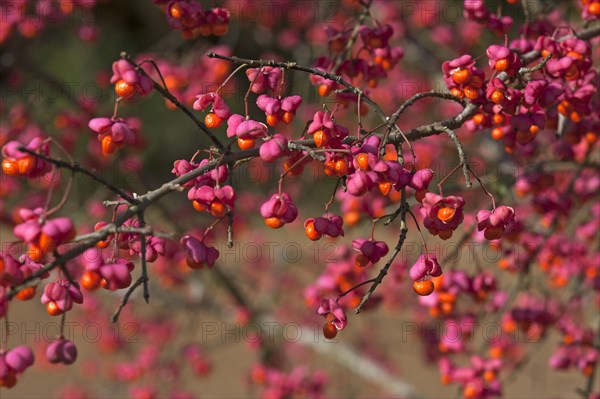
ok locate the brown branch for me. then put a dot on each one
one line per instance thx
(76, 168)
(383, 272)
(167, 94)
(585, 34)
(142, 202)
(349, 290)
(354, 35)
(461, 156)
(438, 127)
(590, 32)
(292, 65)
(144, 276)
(125, 298)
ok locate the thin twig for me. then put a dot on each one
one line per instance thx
(75, 167)
(483, 187)
(292, 65)
(349, 290)
(534, 68)
(230, 213)
(394, 118)
(353, 36)
(143, 201)
(169, 96)
(383, 272)
(125, 299)
(461, 156)
(144, 276)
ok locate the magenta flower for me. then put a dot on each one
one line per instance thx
(218, 19)
(587, 360)
(369, 148)
(61, 295)
(16, 360)
(118, 131)
(197, 359)
(483, 283)
(326, 86)
(123, 70)
(331, 226)
(332, 307)
(30, 229)
(496, 91)
(370, 145)
(426, 265)
(551, 201)
(547, 45)
(16, 162)
(388, 57)
(475, 10)
(115, 275)
(61, 351)
(289, 106)
(232, 124)
(561, 359)
(92, 259)
(502, 59)
(274, 148)
(198, 254)
(371, 251)
(522, 45)
(279, 210)
(396, 174)
(219, 174)
(155, 246)
(442, 215)
(534, 90)
(376, 37)
(359, 182)
(52, 233)
(337, 38)
(278, 109)
(192, 14)
(11, 273)
(263, 78)
(590, 12)
(323, 121)
(219, 107)
(217, 201)
(182, 167)
(117, 128)
(247, 129)
(419, 180)
(530, 123)
(587, 185)
(560, 68)
(576, 48)
(56, 231)
(29, 267)
(449, 68)
(457, 282)
(270, 105)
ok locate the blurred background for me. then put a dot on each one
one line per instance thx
(212, 333)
